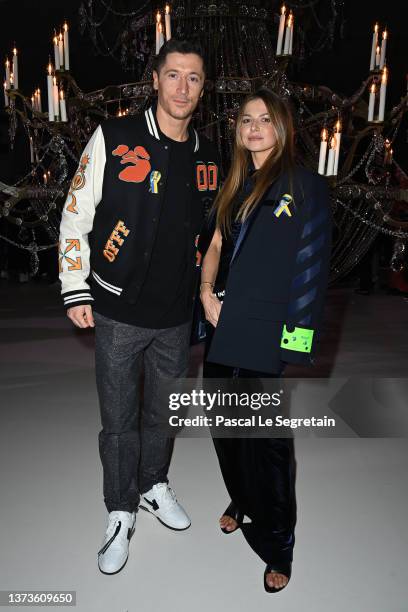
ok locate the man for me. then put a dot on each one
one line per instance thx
(142, 187)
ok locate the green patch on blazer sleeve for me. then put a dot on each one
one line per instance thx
(300, 339)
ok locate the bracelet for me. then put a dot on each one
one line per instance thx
(207, 283)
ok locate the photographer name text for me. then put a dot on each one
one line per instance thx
(255, 420)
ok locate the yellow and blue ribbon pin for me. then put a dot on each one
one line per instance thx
(283, 206)
(155, 177)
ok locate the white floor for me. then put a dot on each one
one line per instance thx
(351, 537)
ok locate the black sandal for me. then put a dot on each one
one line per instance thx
(284, 568)
(233, 512)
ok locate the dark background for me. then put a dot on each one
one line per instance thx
(31, 24)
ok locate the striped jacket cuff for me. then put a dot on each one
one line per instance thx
(77, 298)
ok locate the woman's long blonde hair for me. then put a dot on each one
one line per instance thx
(280, 160)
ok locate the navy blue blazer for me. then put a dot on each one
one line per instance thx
(277, 278)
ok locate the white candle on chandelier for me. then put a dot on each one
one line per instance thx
(31, 150)
(39, 100)
(50, 93)
(167, 22)
(15, 68)
(337, 131)
(377, 56)
(61, 50)
(292, 25)
(383, 93)
(286, 49)
(66, 46)
(332, 154)
(161, 36)
(55, 98)
(45, 178)
(323, 151)
(11, 80)
(371, 103)
(63, 107)
(6, 98)
(374, 47)
(158, 18)
(383, 48)
(33, 103)
(7, 72)
(281, 31)
(56, 52)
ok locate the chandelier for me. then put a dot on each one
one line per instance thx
(350, 139)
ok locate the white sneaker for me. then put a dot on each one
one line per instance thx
(161, 501)
(115, 549)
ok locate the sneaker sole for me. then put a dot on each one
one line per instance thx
(113, 573)
(162, 522)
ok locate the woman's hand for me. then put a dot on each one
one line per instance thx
(211, 304)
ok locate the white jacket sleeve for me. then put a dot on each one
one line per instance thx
(84, 195)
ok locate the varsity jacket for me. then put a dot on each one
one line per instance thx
(277, 278)
(110, 217)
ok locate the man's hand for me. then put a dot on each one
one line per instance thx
(211, 305)
(81, 316)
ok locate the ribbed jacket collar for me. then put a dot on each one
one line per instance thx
(154, 129)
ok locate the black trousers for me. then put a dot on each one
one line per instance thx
(259, 474)
(134, 451)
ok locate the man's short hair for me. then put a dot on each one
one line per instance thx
(178, 46)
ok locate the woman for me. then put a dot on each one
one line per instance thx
(268, 249)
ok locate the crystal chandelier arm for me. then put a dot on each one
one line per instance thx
(336, 101)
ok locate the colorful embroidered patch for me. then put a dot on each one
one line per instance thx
(283, 206)
(139, 160)
(78, 182)
(73, 264)
(115, 241)
(207, 176)
(155, 177)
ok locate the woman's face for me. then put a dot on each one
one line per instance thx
(256, 129)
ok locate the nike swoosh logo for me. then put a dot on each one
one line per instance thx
(153, 504)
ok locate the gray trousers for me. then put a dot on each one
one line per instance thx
(135, 454)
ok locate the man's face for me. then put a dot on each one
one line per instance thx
(180, 84)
